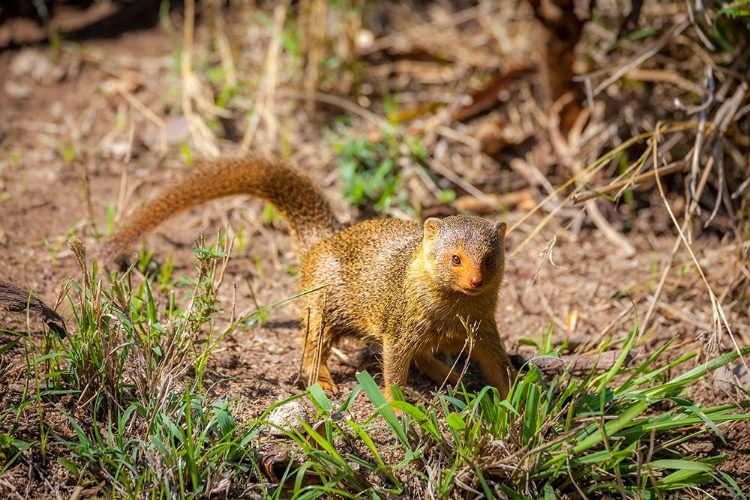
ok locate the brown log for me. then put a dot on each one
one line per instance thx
(18, 300)
(574, 363)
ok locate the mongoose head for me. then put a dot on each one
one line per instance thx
(465, 253)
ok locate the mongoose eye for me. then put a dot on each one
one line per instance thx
(456, 260)
(488, 261)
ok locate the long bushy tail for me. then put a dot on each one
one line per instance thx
(301, 202)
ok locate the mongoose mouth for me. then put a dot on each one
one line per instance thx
(470, 291)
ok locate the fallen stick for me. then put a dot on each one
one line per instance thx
(17, 300)
(672, 168)
(574, 363)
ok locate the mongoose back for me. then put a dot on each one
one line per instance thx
(416, 289)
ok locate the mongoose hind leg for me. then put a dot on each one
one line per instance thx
(439, 372)
(325, 380)
(315, 354)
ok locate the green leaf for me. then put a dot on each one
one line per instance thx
(456, 422)
(70, 466)
(689, 406)
(709, 366)
(381, 406)
(610, 428)
(615, 370)
(319, 397)
(681, 465)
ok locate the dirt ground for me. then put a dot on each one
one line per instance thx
(72, 145)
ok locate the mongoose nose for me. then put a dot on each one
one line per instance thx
(476, 281)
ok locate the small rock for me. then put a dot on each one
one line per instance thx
(289, 416)
(24, 62)
(20, 387)
(700, 447)
(364, 39)
(16, 90)
(115, 150)
(733, 377)
(38, 67)
(56, 109)
(176, 131)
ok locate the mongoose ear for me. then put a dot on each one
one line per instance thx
(500, 228)
(431, 227)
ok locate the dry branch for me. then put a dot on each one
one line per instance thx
(574, 363)
(677, 166)
(18, 300)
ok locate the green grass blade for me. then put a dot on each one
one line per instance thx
(382, 407)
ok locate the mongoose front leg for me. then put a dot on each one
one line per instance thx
(493, 360)
(439, 372)
(396, 360)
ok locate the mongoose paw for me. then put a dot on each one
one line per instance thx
(328, 385)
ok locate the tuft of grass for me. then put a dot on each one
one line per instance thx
(370, 170)
(618, 433)
(136, 364)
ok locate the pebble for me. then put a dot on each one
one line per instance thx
(16, 90)
(32, 63)
(288, 417)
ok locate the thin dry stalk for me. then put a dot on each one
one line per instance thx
(267, 89)
(691, 211)
(707, 99)
(633, 182)
(469, 343)
(314, 18)
(192, 91)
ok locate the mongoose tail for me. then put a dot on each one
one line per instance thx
(301, 202)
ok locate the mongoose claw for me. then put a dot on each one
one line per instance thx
(328, 385)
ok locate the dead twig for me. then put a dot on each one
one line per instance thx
(574, 363)
(678, 166)
(18, 300)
